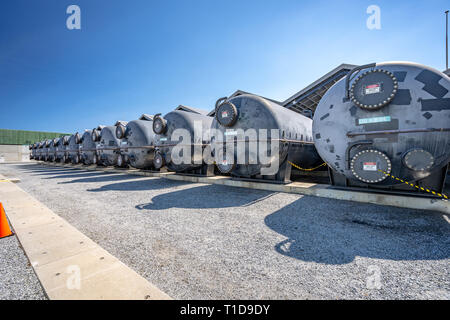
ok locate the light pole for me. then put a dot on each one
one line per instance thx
(446, 40)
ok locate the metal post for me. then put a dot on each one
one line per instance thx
(446, 40)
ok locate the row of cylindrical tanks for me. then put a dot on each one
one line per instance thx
(380, 126)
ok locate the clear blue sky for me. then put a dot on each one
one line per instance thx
(133, 57)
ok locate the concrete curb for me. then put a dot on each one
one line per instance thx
(311, 189)
(68, 264)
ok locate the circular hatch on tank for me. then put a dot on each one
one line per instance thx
(370, 166)
(374, 89)
(225, 167)
(158, 160)
(159, 125)
(418, 160)
(226, 114)
(222, 164)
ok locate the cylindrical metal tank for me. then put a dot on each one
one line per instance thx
(251, 113)
(39, 150)
(33, 151)
(137, 142)
(164, 127)
(52, 149)
(386, 124)
(62, 149)
(45, 149)
(88, 148)
(73, 148)
(108, 145)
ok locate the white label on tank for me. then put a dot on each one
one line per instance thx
(370, 166)
(123, 142)
(163, 139)
(372, 88)
(231, 133)
(374, 120)
(224, 162)
(224, 114)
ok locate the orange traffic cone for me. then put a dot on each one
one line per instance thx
(5, 231)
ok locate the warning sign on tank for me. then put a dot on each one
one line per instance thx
(370, 166)
(372, 88)
(224, 114)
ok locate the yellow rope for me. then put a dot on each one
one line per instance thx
(303, 169)
(416, 186)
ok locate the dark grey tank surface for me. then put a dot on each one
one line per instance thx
(253, 112)
(137, 144)
(73, 148)
(62, 149)
(179, 119)
(108, 147)
(88, 148)
(393, 119)
(33, 151)
(61, 155)
(45, 149)
(39, 150)
(52, 149)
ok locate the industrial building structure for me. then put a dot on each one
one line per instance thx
(14, 144)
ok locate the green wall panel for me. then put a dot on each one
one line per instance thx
(21, 137)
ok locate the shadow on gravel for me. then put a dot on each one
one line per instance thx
(206, 197)
(50, 172)
(335, 232)
(80, 174)
(144, 183)
(104, 177)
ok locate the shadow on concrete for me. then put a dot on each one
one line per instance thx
(206, 197)
(335, 232)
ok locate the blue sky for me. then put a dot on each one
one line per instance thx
(134, 57)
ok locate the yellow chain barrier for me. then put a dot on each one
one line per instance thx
(390, 175)
(303, 169)
(416, 186)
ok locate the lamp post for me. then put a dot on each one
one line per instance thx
(446, 40)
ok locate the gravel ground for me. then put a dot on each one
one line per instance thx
(17, 278)
(197, 241)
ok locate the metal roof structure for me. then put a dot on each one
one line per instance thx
(306, 100)
(190, 109)
(146, 117)
(120, 122)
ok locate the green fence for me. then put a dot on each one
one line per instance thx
(21, 137)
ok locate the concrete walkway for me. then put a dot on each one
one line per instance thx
(68, 264)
